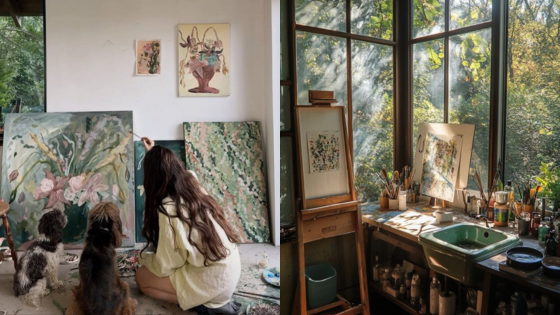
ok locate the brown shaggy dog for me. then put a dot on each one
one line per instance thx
(101, 291)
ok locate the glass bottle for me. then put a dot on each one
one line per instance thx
(543, 231)
(551, 244)
(376, 269)
(398, 276)
(535, 223)
(556, 223)
(385, 277)
(435, 290)
(511, 202)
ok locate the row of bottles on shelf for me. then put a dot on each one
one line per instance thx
(407, 286)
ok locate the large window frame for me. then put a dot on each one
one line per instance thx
(402, 82)
(16, 10)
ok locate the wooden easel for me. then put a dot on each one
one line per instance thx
(327, 217)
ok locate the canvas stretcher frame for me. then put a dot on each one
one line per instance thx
(325, 188)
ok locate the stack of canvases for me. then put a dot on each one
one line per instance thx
(81, 159)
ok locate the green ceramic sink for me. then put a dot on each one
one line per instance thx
(453, 251)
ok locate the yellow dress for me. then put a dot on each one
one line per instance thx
(195, 284)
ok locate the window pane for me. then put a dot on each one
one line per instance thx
(373, 18)
(372, 107)
(287, 207)
(321, 65)
(329, 14)
(469, 12)
(285, 28)
(427, 84)
(533, 85)
(285, 108)
(22, 64)
(469, 92)
(429, 17)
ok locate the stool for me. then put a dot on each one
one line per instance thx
(4, 208)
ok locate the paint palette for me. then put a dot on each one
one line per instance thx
(272, 276)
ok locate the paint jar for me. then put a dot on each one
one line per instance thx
(528, 208)
(501, 215)
(402, 200)
(393, 204)
(263, 263)
(384, 202)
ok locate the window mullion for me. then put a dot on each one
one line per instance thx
(446, 64)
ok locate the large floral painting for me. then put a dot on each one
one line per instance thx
(228, 160)
(324, 151)
(148, 56)
(440, 166)
(178, 147)
(204, 51)
(70, 160)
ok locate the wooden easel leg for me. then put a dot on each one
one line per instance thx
(10, 240)
(362, 262)
(296, 303)
(301, 266)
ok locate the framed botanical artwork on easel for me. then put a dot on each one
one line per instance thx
(324, 155)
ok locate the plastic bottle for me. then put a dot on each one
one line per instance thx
(435, 290)
(402, 200)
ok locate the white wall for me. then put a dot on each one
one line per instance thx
(91, 60)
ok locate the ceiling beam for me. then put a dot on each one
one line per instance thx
(14, 9)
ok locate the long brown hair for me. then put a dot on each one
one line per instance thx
(166, 176)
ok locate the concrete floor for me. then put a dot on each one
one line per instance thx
(251, 286)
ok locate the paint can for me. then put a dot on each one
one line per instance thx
(501, 215)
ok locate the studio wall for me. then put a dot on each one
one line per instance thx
(91, 67)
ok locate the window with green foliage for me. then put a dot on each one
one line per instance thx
(331, 41)
(22, 64)
(451, 71)
(533, 95)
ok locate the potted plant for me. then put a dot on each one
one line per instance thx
(549, 178)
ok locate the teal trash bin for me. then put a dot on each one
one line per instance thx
(320, 281)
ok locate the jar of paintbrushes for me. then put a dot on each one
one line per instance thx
(529, 197)
(390, 188)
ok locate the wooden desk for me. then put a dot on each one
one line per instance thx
(408, 225)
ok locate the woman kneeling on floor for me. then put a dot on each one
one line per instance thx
(196, 261)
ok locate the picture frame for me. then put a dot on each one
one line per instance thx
(326, 172)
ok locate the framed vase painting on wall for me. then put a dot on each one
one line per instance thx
(67, 160)
(204, 59)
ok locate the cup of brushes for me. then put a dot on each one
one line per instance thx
(394, 192)
(529, 197)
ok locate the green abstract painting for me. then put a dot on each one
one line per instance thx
(228, 160)
(178, 147)
(70, 160)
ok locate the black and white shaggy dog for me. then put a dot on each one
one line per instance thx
(37, 270)
(101, 291)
